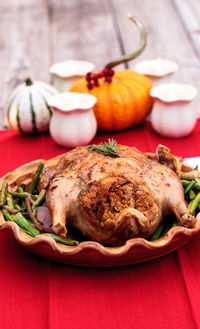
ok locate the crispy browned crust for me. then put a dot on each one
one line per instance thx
(165, 157)
(113, 199)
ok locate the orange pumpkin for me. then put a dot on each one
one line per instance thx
(123, 99)
(122, 103)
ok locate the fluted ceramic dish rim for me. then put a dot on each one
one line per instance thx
(108, 255)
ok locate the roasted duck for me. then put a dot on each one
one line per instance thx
(112, 199)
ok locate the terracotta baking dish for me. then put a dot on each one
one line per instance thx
(91, 253)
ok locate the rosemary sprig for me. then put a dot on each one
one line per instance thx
(109, 148)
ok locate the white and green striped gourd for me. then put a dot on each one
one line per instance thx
(27, 108)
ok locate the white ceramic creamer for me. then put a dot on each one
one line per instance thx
(73, 122)
(174, 112)
(66, 73)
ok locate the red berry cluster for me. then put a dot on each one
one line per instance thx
(92, 78)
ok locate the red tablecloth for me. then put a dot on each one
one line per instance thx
(37, 293)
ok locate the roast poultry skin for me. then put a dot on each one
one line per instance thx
(111, 200)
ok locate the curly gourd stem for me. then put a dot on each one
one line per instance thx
(129, 57)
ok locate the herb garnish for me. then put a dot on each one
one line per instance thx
(109, 148)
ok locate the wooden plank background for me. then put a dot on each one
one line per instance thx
(34, 34)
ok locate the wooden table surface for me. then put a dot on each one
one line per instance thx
(34, 34)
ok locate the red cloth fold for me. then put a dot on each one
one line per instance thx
(36, 293)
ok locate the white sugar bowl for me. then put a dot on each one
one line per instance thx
(174, 112)
(66, 73)
(73, 122)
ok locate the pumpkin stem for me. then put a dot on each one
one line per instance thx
(28, 82)
(129, 57)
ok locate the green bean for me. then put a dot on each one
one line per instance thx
(29, 233)
(39, 200)
(34, 196)
(24, 223)
(188, 188)
(160, 230)
(36, 178)
(21, 190)
(196, 187)
(23, 196)
(10, 201)
(194, 204)
(65, 241)
(19, 195)
(68, 242)
(17, 207)
(192, 195)
(4, 193)
(18, 221)
(6, 215)
(185, 183)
